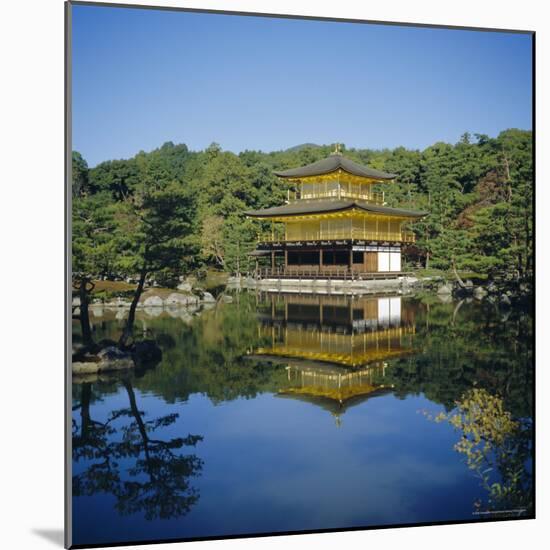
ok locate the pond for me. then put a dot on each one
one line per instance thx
(288, 412)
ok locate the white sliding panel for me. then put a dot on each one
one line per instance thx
(383, 261)
(395, 261)
(383, 312)
(395, 311)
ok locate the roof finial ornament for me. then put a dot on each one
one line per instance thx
(337, 150)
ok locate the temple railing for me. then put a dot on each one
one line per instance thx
(373, 197)
(355, 234)
(325, 272)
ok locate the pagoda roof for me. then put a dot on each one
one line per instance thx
(335, 400)
(305, 207)
(332, 163)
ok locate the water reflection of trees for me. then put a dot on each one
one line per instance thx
(497, 448)
(206, 354)
(123, 457)
(455, 351)
(478, 348)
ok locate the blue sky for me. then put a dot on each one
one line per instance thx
(143, 77)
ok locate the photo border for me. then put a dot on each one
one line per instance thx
(68, 270)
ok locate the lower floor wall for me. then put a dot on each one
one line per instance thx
(389, 261)
(380, 258)
(366, 259)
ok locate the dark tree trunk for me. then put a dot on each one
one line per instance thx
(135, 411)
(457, 276)
(129, 327)
(85, 399)
(139, 421)
(84, 289)
(85, 418)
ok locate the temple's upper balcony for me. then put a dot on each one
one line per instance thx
(301, 234)
(334, 189)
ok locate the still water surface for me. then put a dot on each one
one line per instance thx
(295, 412)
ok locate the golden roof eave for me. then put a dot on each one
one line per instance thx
(342, 214)
(337, 175)
(346, 359)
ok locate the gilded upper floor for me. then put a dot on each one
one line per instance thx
(334, 198)
(335, 177)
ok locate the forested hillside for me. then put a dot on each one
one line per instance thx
(173, 210)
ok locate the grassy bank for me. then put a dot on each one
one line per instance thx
(109, 290)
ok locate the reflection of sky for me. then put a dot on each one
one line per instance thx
(278, 464)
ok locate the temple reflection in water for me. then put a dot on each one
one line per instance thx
(335, 348)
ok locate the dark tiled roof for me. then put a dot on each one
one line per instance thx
(330, 164)
(319, 206)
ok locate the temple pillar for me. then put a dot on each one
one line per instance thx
(273, 259)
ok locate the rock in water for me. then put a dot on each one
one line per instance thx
(492, 287)
(109, 358)
(180, 299)
(207, 297)
(184, 286)
(85, 367)
(113, 358)
(153, 301)
(152, 311)
(146, 353)
(445, 289)
(121, 314)
(479, 293)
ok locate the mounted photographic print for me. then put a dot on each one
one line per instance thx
(300, 285)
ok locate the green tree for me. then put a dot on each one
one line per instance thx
(466, 187)
(153, 234)
(80, 183)
(212, 239)
(94, 250)
(118, 177)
